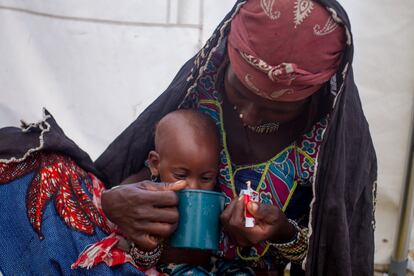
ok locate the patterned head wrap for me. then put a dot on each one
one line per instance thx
(284, 50)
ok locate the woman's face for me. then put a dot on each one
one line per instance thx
(256, 110)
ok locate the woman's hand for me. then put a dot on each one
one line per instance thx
(146, 212)
(271, 224)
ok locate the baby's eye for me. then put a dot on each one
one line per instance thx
(180, 176)
(207, 178)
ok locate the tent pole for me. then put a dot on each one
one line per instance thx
(399, 259)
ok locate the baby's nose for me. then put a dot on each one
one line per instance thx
(193, 184)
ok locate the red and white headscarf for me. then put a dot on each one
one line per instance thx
(284, 50)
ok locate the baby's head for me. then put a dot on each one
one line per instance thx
(186, 148)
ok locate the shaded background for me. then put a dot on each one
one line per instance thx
(96, 64)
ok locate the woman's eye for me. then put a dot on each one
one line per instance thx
(235, 93)
(240, 95)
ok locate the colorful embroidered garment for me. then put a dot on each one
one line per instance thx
(52, 217)
(276, 180)
(284, 180)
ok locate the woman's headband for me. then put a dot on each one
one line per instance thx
(284, 50)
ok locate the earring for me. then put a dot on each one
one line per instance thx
(154, 178)
(240, 114)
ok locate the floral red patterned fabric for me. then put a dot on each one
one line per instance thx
(285, 50)
(58, 178)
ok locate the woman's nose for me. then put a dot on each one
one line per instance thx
(250, 114)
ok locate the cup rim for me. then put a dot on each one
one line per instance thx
(201, 192)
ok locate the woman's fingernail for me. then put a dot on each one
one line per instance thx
(253, 206)
(115, 187)
(180, 183)
(175, 186)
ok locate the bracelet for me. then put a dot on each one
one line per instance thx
(145, 259)
(295, 250)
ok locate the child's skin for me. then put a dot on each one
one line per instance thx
(186, 148)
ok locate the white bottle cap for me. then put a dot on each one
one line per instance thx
(249, 222)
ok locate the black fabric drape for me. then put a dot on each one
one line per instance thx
(342, 242)
(46, 135)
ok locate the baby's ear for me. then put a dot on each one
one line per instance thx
(154, 162)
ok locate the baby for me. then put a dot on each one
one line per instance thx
(186, 148)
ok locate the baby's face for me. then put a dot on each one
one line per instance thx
(193, 161)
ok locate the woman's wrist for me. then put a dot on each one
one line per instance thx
(286, 232)
(294, 250)
(145, 259)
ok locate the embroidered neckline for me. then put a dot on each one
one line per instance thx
(293, 145)
(293, 152)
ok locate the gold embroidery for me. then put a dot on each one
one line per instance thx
(256, 62)
(267, 6)
(281, 72)
(329, 27)
(339, 21)
(303, 9)
(279, 93)
(249, 81)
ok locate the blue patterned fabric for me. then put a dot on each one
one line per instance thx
(215, 267)
(23, 253)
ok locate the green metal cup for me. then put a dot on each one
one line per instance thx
(199, 223)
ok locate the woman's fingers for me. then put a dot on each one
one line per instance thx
(153, 214)
(162, 199)
(156, 229)
(164, 215)
(272, 223)
(145, 241)
(157, 194)
(237, 216)
(163, 186)
(232, 220)
(266, 213)
(227, 213)
(175, 186)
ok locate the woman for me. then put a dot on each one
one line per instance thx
(301, 138)
(276, 76)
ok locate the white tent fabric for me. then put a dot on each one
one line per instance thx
(95, 65)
